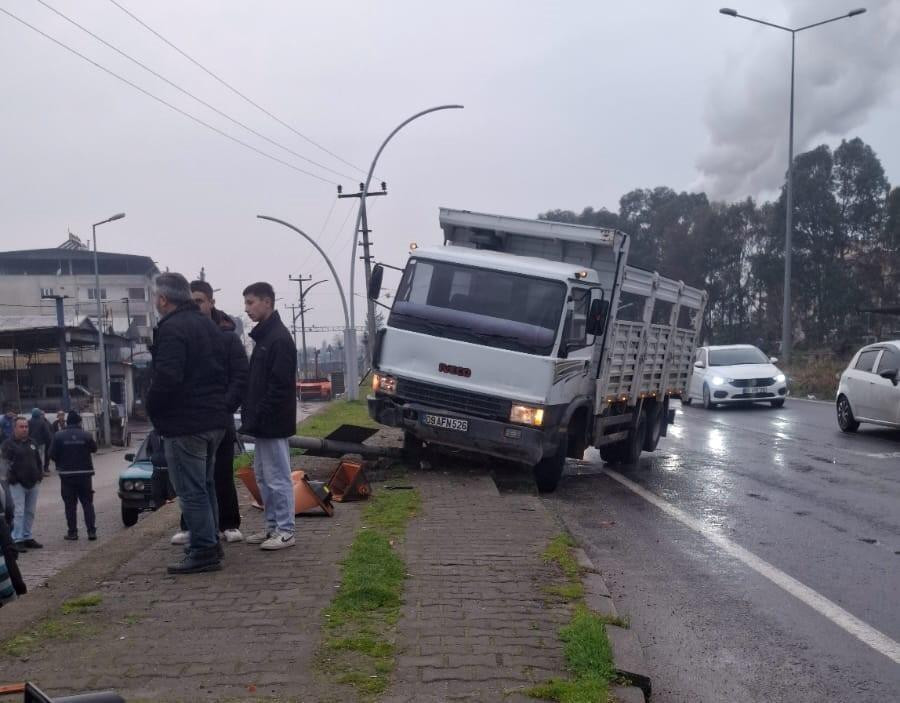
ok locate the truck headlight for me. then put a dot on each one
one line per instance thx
(526, 415)
(780, 378)
(384, 383)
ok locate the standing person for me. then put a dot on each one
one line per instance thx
(269, 413)
(7, 423)
(71, 452)
(186, 404)
(236, 369)
(59, 423)
(11, 583)
(24, 476)
(39, 431)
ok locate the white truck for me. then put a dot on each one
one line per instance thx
(532, 340)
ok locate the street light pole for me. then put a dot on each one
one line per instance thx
(362, 209)
(104, 384)
(786, 327)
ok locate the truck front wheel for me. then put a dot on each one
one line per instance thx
(548, 470)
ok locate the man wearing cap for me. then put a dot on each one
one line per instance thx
(71, 452)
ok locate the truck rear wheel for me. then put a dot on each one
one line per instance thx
(548, 470)
(635, 442)
(655, 422)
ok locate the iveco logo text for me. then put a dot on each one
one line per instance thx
(455, 370)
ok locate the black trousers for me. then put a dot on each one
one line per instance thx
(226, 493)
(78, 489)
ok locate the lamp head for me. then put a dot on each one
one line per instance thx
(728, 11)
(857, 11)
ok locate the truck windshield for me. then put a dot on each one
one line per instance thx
(488, 307)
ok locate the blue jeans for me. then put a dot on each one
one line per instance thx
(191, 460)
(25, 503)
(272, 466)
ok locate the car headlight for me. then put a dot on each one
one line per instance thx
(384, 383)
(128, 485)
(718, 380)
(139, 485)
(780, 378)
(526, 415)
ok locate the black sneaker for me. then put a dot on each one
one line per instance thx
(71, 536)
(92, 535)
(33, 544)
(20, 547)
(194, 564)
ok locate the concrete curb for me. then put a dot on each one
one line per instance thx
(86, 574)
(628, 656)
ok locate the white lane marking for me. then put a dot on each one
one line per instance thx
(867, 634)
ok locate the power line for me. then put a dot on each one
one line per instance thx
(187, 92)
(231, 87)
(167, 104)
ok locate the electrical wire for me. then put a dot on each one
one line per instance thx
(232, 88)
(188, 93)
(167, 104)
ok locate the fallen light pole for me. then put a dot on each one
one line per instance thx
(330, 445)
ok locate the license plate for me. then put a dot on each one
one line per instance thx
(758, 389)
(447, 423)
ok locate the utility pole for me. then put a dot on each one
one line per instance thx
(366, 245)
(128, 328)
(63, 350)
(302, 313)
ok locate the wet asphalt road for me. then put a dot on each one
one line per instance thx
(821, 506)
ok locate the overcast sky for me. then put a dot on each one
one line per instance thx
(567, 105)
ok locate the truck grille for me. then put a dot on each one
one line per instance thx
(452, 399)
(753, 382)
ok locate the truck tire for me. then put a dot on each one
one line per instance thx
(635, 442)
(130, 516)
(686, 399)
(548, 470)
(612, 453)
(655, 420)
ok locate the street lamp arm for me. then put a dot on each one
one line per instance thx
(734, 13)
(309, 288)
(852, 13)
(362, 204)
(312, 241)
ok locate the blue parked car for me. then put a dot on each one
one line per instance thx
(136, 484)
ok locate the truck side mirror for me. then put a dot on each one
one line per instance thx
(597, 315)
(374, 289)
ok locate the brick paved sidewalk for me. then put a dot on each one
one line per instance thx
(475, 625)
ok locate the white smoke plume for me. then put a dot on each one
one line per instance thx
(843, 71)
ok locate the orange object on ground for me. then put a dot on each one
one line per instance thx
(305, 496)
(349, 482)
(6, 689)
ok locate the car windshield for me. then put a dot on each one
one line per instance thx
(493, 308)
(143, 453)
(735, 357)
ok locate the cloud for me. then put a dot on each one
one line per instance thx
(843, 72)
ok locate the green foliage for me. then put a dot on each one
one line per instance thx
(846, 244)
(65, 626)
(82, 603)
(338, 412)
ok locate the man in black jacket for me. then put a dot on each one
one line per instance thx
(269, 413)
(24, 461)
(71, 452)
(39, 430)
(186, 404)
(234, 359)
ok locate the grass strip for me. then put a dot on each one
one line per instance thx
(62, 626)
(338, 412)
(358, 645)
(585, 645)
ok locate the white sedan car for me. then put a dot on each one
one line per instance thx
(868, 391)
(736, 373)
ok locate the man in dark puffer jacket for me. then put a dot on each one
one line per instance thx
(71, 452)
(187, 406)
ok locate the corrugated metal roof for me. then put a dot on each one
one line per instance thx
(36, 322)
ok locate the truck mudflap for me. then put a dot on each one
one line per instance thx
(501, 439)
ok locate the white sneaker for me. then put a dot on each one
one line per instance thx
(278, 540)
(182, 537)
(233, 535)
(258, 537)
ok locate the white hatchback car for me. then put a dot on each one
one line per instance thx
(736, 373)
(868, 391)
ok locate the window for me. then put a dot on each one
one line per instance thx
(137, 293)
(889, 360)
(576, 322)
(139, 320)
(92, 294)
(737, 356)
(867, 360)
(631, 307)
